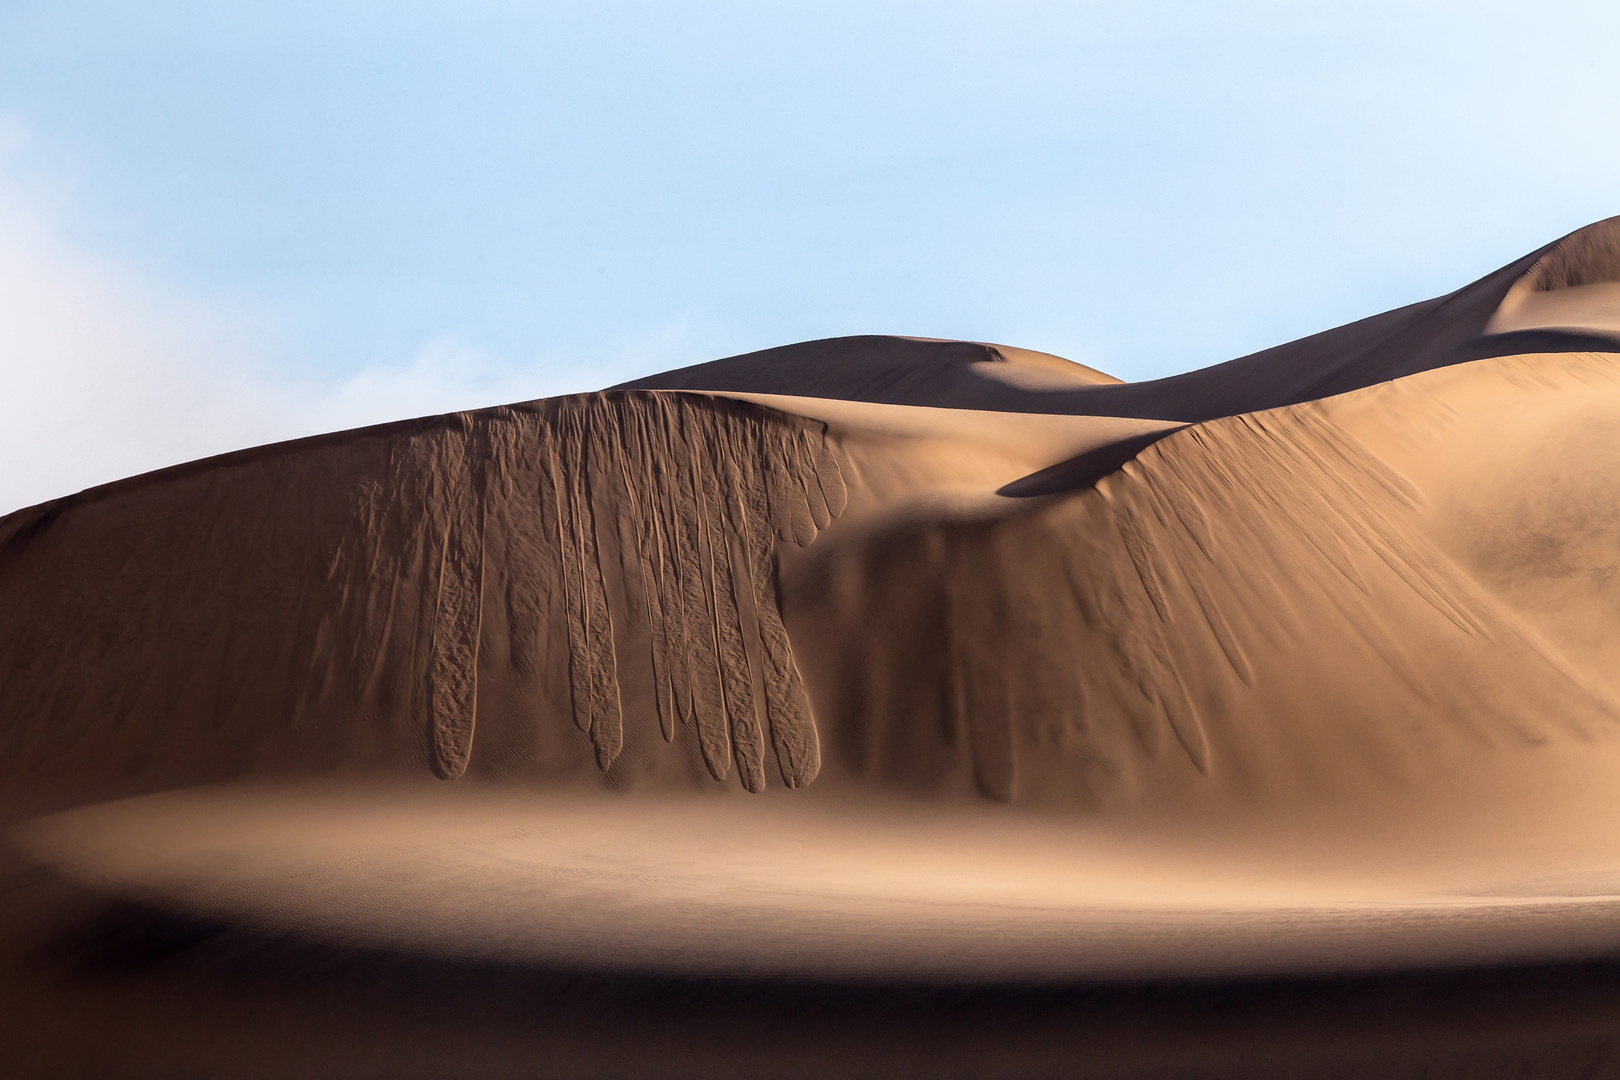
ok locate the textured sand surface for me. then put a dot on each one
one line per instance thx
(873, 662)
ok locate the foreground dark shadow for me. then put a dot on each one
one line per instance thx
(129, 991)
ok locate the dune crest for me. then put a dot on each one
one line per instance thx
(1575, 286)
(1588, 256)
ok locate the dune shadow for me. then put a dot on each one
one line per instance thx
(1517, 342)
(365, 1009)
(1082, 470)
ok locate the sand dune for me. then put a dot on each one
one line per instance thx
(876, 657)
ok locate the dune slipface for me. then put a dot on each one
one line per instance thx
(871, 658)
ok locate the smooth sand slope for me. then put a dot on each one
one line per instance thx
(875, 658)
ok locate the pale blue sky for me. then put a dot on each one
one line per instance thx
(226, 223)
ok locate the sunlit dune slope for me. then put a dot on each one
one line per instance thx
(1266, 599)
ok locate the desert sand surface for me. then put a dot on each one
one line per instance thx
(870, 706)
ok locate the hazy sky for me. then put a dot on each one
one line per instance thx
(222, 224)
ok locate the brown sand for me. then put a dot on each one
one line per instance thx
(890, 660)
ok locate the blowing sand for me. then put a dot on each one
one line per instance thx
(870, 662)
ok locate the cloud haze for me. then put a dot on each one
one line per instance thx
(108, 375)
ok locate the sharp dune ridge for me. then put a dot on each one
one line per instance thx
(1590, 256)
(1435, 333)
(870, 658)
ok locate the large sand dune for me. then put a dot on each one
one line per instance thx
(871, 657)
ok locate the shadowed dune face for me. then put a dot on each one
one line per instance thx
(363, 601)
